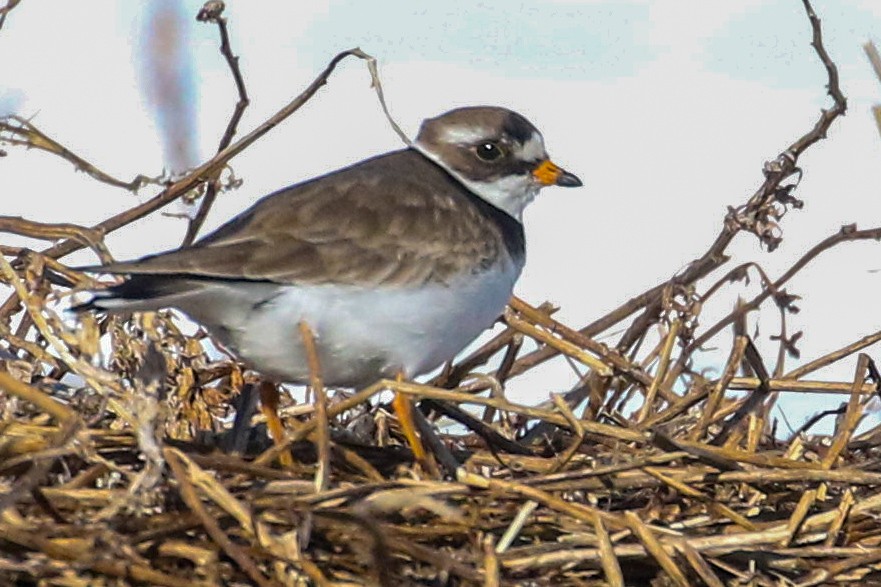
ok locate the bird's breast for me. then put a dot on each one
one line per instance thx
(364, 333)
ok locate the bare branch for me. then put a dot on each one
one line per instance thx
(17, 131)
(212, 12)
(760, 208)
(45, 231)
(5, 10)
(846, 234)
(199, 175)
(567, 484)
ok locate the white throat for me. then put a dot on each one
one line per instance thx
(511, 194)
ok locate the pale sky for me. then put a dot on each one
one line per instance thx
(667, 110)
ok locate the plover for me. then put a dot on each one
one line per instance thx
(396, 263)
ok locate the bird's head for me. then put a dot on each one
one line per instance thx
(496, 153)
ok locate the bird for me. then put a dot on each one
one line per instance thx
(396, 263)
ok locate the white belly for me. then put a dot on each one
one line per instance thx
(362, 334)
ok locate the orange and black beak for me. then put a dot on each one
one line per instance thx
(547, 173)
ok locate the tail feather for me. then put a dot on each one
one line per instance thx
(137, 293)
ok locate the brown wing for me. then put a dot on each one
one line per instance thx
(396, 219)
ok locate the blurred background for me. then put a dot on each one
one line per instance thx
(666, 109)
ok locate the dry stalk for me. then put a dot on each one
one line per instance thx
(693, 486)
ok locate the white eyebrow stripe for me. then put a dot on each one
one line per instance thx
(464, 135)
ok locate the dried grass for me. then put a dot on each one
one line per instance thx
(110, 477)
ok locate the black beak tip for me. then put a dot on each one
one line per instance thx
(569, 180)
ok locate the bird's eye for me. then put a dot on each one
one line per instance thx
(488, 151)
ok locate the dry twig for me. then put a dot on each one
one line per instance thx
(690, 485)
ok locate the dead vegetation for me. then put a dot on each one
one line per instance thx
(110, 475)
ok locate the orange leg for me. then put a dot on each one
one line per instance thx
(404, 410)
(269, 407)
